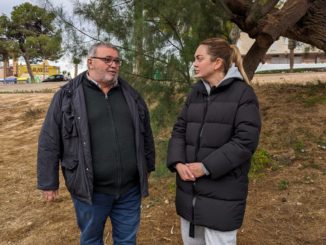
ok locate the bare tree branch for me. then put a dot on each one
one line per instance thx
(278, 22)
(311, 28)
(301, 20)
(268, 7)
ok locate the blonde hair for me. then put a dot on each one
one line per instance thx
(220, 48)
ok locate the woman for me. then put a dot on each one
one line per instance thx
(212, 144)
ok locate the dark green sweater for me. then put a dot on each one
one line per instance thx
(112, 138)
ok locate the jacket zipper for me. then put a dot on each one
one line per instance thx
(192, 223)
(117, 152)
(194, 199)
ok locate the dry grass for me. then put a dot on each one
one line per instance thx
(286, 203)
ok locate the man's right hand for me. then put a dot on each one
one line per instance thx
(50, 195)
(184, 172)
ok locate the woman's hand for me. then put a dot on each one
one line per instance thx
(184, 172)
(196, 169)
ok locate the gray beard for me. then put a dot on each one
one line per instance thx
(111, 83)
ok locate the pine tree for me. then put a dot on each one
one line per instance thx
(32, 30)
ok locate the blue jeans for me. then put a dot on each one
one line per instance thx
(124, 213)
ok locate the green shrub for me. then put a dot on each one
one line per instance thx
(260, 161)
(298, 147)
(310, 96)
(283, 185)
(32, 114)
(161, 151)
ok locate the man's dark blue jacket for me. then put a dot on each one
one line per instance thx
(65, 139)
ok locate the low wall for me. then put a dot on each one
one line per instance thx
(290, 78)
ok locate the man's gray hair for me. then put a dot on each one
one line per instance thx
(92, 50)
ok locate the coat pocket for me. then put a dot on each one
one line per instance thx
(69, 164)
(69, 169)
(68, 126)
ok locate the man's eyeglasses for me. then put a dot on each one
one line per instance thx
(108, 60)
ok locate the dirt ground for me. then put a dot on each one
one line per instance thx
(286, 202)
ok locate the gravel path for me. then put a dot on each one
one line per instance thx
(36, 87)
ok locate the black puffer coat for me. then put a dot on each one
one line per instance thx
(221, 130)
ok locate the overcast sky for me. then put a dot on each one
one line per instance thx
(6, 6)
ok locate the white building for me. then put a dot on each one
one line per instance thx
(278, 54)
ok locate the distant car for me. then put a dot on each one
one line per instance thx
(55, 78)
(9, 80)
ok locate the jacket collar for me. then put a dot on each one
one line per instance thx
(115, 84)
(232, 75)
(127, 88)
(73, 84)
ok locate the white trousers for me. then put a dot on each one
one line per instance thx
(206, 236)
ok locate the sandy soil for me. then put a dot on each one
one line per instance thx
(286, 203)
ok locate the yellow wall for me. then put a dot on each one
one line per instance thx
(40, 71)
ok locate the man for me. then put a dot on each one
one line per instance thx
(98, 128)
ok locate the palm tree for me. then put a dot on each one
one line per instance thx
(292, 45)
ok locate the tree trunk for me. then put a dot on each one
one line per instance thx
(291, 45)
(29, 68)
(254, 56)
(291, 59)
(138, 36)
(43, 69)
(311, 28)
(15, 66)
(5, 66)
(301, 20)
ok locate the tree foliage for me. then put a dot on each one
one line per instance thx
(7, 47)
(179, 28)
(158, 38)
(31, 29)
